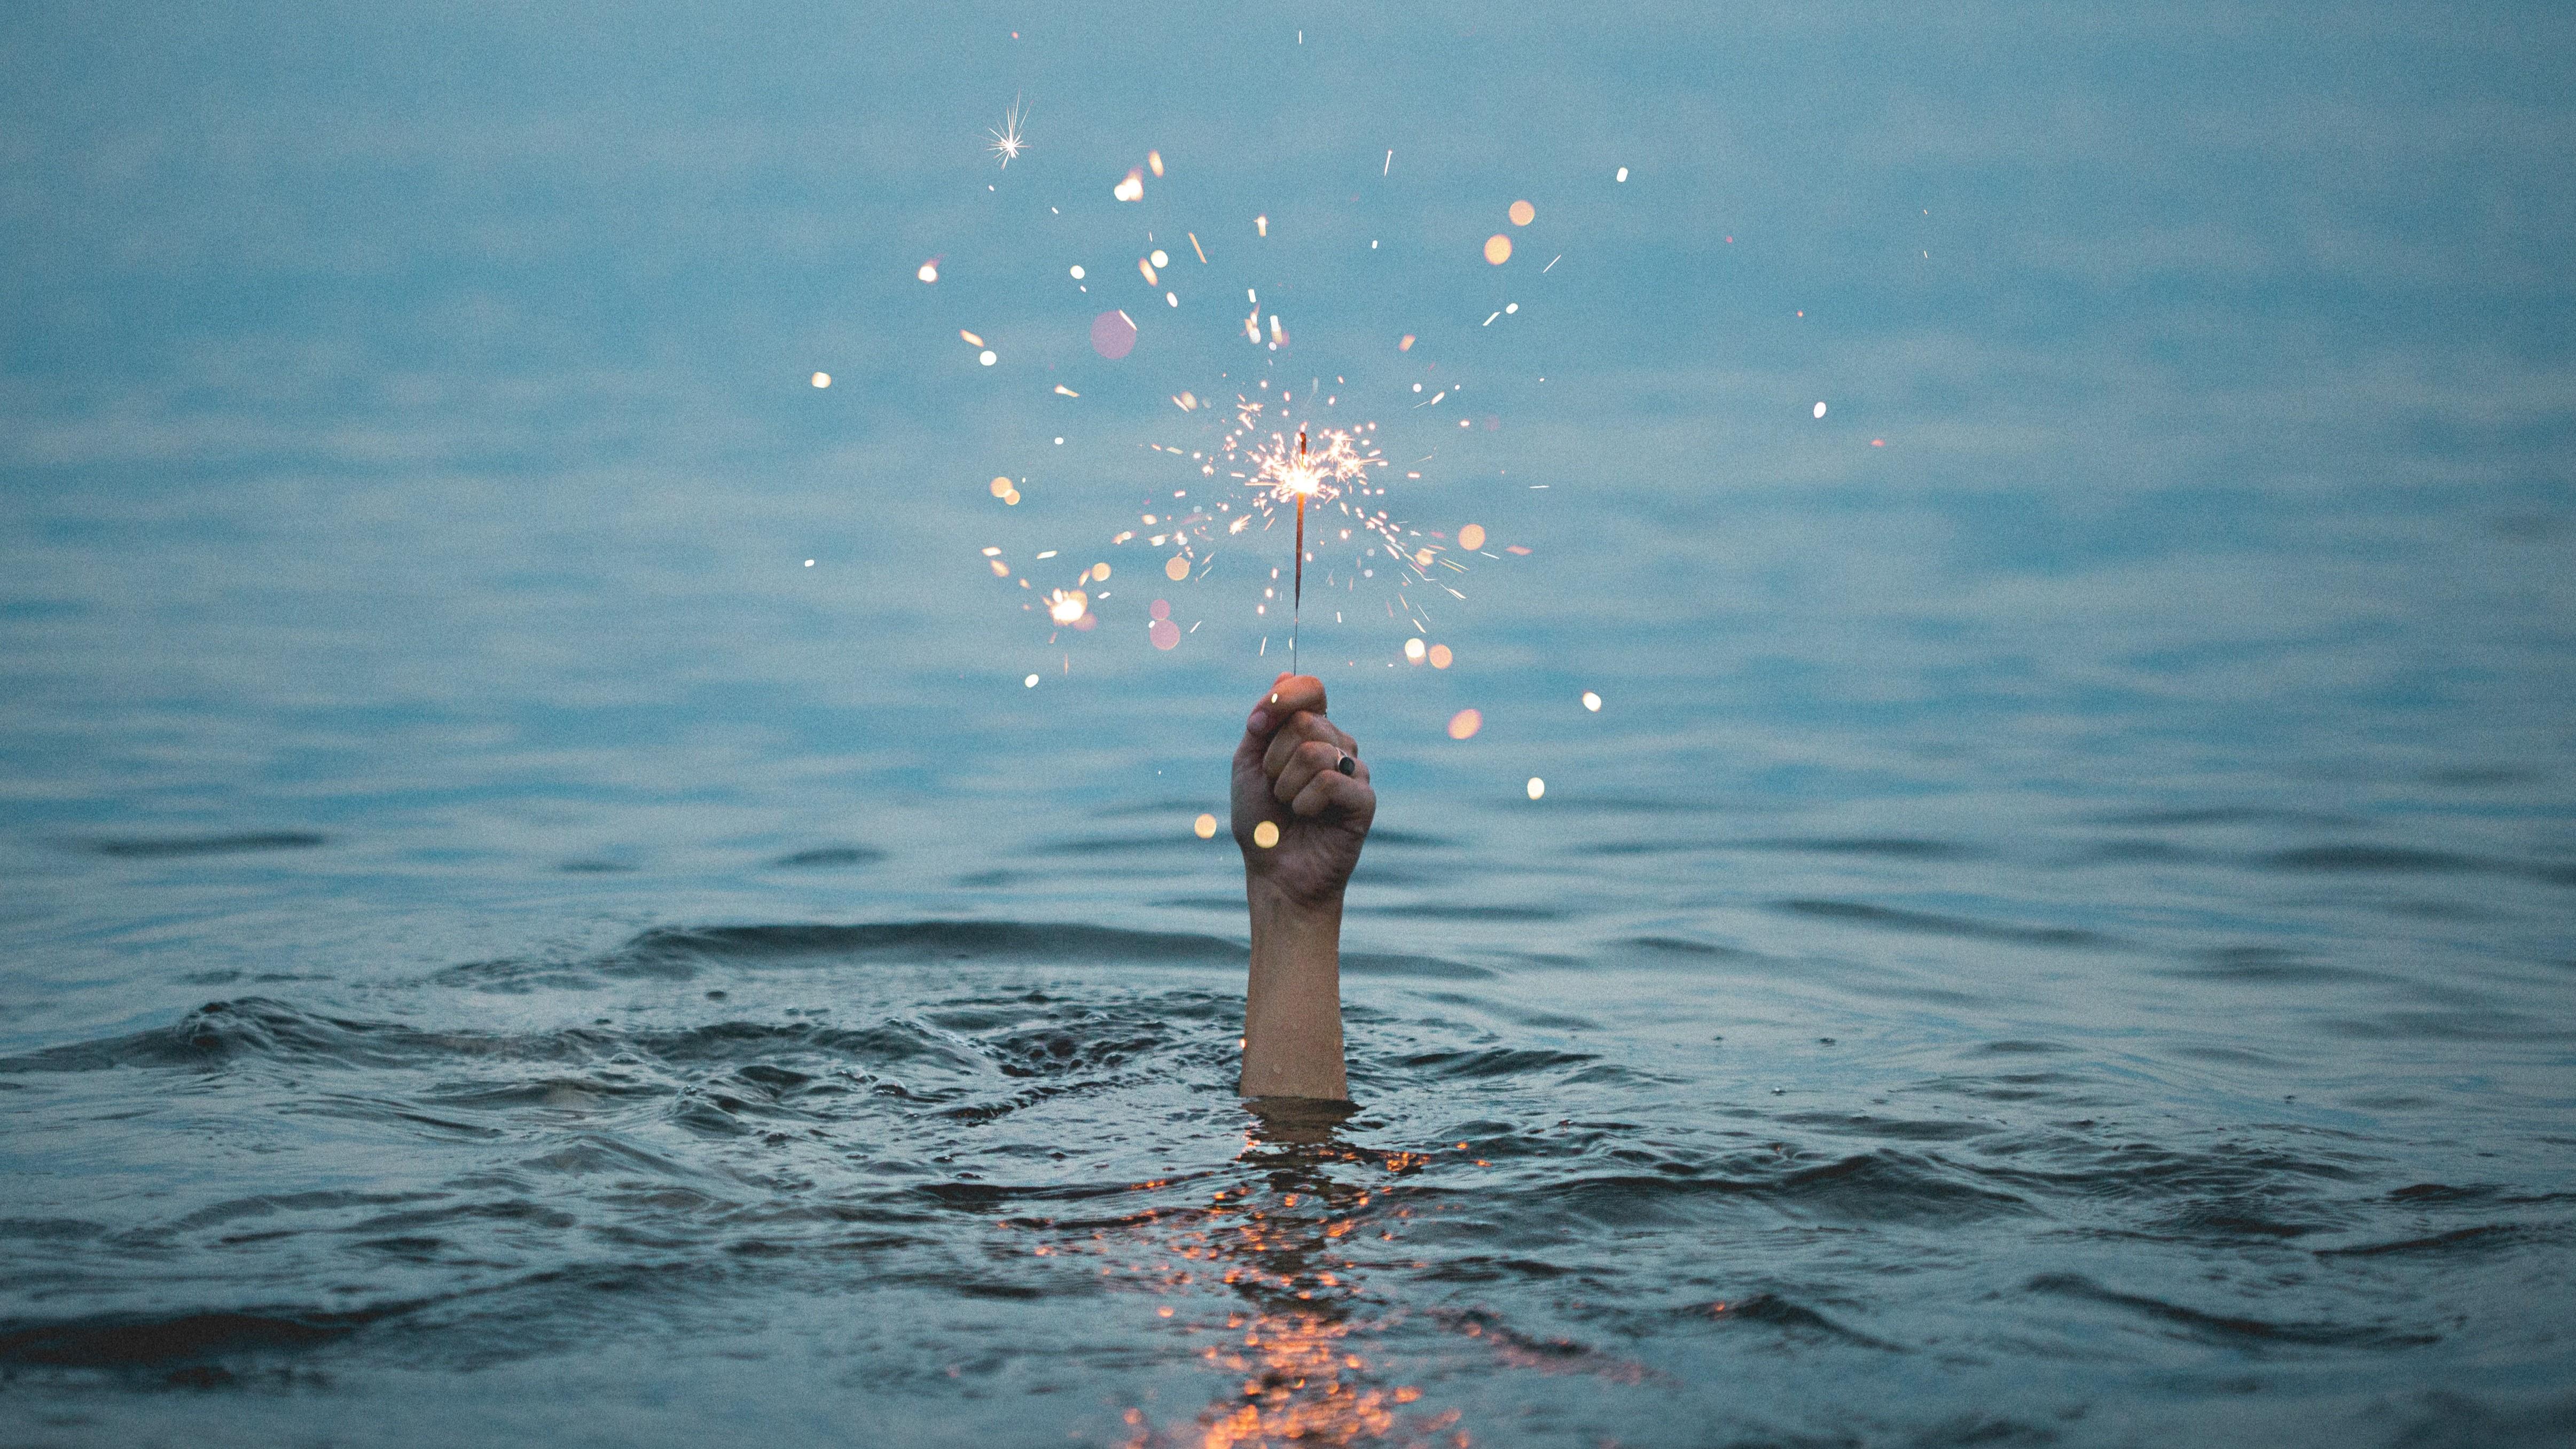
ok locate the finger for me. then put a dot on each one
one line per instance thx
(1334, 791)
(1298, 731)
(1293, 694)
(1314, 757)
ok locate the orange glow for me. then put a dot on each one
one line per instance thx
(971, 339)
(1265, 835)
(1205, 827)
(929, 271)
(1465, 723)
(1176, 568)
(1440, 656)
(1406, 345)
(1472, 536)
(1413, 650)
(1261, 224)
(1154, 159)
(822, 379)
(1066, 605)
(1498, 249)
(1131, 189)
(1591, 701)
(1001, 487)
(1146, 266)
(1522, 211)
(1100, 571)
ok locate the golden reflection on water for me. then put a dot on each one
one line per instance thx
(1295, 1341)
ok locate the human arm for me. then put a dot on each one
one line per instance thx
(1289, 776)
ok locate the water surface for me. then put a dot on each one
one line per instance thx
(2059, 932)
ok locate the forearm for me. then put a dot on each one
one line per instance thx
(1292, 1009)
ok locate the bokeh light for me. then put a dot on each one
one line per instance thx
(1522, 211)
(1265, 835)
(822, 379)
(1498, 249)
(1472, 536)
(1537, 787)
(1465, 723)
(1591, 701)
(1176, 568)
(1112, 335)
(1440, 656)
(929, 271)
(1001, 487)
(1413, 650)
(1205, 826)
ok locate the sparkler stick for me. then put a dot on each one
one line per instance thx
(1297, 589)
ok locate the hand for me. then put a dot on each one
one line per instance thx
(1287, 773)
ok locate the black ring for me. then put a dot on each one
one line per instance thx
(1347, 765)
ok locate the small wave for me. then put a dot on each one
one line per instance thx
(2374, 859)
(1926, 922)
(1492, 1062)
(1774, 1311)
(679, 953)
(828, 855)
(165, 847)
(2224, 815)
(1898, 847)
(2228, 1329)
(2481, 1238)
(127, 1341)
(2264, 965)
(1682, 946)
(251, 1027)
(1461, 913)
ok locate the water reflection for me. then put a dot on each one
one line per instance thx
(1298, 1342)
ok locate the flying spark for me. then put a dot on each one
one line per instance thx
(1008, 143)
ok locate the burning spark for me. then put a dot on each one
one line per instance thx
(1007, 141)
(1133, 188)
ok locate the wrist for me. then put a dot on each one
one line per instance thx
(1268, 893)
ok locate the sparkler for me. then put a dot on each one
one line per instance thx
(1295, 477)
(1007, 142)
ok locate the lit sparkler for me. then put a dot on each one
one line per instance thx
(1007, 141)
(1299, 477)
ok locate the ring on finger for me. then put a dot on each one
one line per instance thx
(1347, 764)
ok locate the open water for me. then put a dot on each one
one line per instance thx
(2062, 929)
